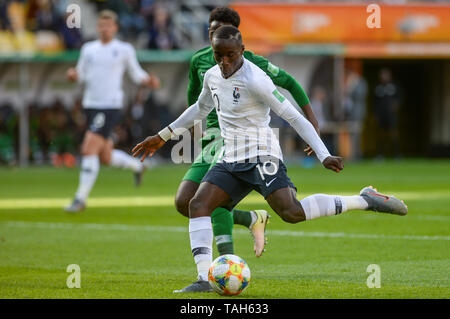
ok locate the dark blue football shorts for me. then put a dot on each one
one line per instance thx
(238, 179)
(102, 121)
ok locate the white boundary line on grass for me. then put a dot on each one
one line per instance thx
(124, 227)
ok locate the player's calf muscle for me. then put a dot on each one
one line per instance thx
(286, 205)
(105, 158)
(182, 204)
(292, 214)
(106, 152)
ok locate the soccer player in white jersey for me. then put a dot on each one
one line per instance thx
(243, 95)
(100, 68)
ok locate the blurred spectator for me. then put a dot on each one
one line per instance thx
(4, 18)
(318, 99)
(6, 36)
(322, 112)
(43, 19)
(8, 125)
(40, 25)
(144, 117)
(355, 96)
(160, 32)
(62, 135)
(57, 134)
(77, 121)
(45, 16)
(23, 40)
(387, 104)
(34, 147)
(147, 10)
(137, 118)
(130, 21)
(44, 132)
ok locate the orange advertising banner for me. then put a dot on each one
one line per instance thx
(277, 24)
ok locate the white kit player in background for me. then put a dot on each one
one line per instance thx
(101, 68)
(243, 96)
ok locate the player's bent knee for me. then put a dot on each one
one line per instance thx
(185, 193)
(182, 204)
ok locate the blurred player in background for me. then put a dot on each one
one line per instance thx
(212, 141)
(100, 67)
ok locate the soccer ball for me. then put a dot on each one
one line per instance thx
(229, 275)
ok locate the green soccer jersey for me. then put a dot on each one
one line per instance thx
(203, 60)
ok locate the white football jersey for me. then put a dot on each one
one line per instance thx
(243, 114)
(101, 67)
(243, 103)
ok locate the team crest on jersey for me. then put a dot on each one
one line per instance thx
(236, 95)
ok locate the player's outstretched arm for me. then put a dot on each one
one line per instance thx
(148, 147)
(334, 163)
(309, 114)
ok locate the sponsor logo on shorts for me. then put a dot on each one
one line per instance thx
(268, 184)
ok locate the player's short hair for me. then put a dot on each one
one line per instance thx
(228, 32)
(226, 15)
(108, 14)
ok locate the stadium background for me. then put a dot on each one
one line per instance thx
(322, 44)
(328, 48)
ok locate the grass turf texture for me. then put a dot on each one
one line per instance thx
(131, 243)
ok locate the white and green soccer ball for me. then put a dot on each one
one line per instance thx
(229, 275)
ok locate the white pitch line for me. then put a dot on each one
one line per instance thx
(166, 201)
(124, 227)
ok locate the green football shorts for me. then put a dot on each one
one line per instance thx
(209, 156)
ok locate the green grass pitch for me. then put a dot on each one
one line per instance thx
(131, 243)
